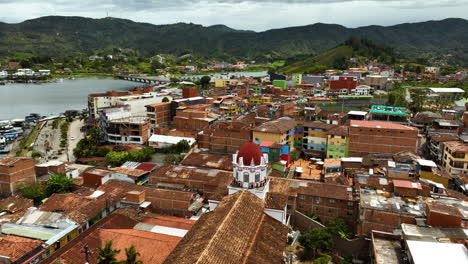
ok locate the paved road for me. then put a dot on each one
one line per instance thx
(74, 131)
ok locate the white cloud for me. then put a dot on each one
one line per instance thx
(244, 14)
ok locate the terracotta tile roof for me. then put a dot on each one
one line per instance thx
(117, 190)
(407, 184)
(327, 190)
(237, 231)
(170, 221)
(283, 186)
(8, 161)
(15, 203)
(280, 125)
(82, 208)
(146, 243)
(15, 247)
(425, 117)
(132, 173)
(444, 209)
(209, 160)
(380, 124)
(342, 131)
(293, 188)
(457, 146)
(443, 137)
(179, 173)
(79, 208)
(320, 125)
(276, 200)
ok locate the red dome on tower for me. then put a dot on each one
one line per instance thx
(250, 151)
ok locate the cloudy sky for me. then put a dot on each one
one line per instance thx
(243, 14)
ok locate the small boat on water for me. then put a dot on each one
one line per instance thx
(2, 83)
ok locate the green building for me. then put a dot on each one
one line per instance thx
(258, 90)
(297, 79)
(338, 142)
(280, 84)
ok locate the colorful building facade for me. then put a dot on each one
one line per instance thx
(337, 142)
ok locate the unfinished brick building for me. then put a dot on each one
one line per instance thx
(225, 137)
(16, 173)
(377, 137)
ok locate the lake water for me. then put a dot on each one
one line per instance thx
(18, 100)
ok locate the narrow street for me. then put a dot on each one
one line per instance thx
(74, 136)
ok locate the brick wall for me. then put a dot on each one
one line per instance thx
(19, 174)
(381, 220)
(326, 208)
(343, 83)
(372, 140)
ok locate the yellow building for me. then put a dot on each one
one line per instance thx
(260, 99)
(229, 107)
(455, 157)
(427, 169)
(281, 131)
(222, 83)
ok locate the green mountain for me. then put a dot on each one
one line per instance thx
(62, 36)
(360, 49)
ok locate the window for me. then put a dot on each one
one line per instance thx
(246, 177)
(332, 200)
(318, 200)
(257, 176)
(350, 203)
(302, 197)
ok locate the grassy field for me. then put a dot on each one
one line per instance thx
(23, 147)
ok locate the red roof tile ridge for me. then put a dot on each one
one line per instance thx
(140, 233)
(252, 242)
(234, 207)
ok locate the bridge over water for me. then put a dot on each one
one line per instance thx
(144, 79)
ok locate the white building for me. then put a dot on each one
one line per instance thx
(250, 170)
(161, 141)
(361, 90)
(24, 72)
(3, 74)
(44, 72)
(250, 167)
(119, 126)
(445, 93)
(434, 70)
(136, 102)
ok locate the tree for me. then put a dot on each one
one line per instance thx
(419, 98)
(338, 227)
(132, 256)
(397, 96)
(107, 255)
(34, 192)
(315, 239)
(58, 184)
(173, 159)
(325, 259)
(115, 158)
(36, 154)
(205, 82)
(165, 100)
(88, 146)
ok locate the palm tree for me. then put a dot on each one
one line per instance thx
(132, 256)
(107, 255)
